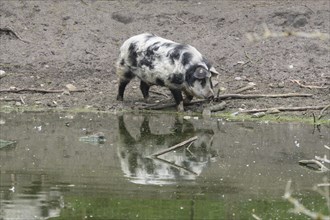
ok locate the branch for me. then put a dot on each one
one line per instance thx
(38, 90)
(248, 87)
(308, 86)
(228, 96)
(174, 147)
(314, 165)
(269, 34)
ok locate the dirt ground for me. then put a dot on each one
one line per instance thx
(77, 42)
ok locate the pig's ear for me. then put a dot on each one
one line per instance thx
(201, 73)
(214, 71)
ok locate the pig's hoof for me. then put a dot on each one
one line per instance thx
(179, 107)
(120, 98)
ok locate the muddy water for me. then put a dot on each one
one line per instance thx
(233, 169)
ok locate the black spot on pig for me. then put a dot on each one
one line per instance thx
(160, 82)
(186, 58)
(149, 56)
(176, 52)
(146, 62)
(132, 56)
(190, 75)
(176, 78)
(129, 75)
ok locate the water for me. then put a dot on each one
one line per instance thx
(232, 170)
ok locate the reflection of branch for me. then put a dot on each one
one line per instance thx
(174, 147)
(175, 165)
(299, 208)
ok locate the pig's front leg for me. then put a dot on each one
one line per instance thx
(177, 95)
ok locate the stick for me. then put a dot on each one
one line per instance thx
(174, 147)
(9, 31)
(304, 108)
(22, 100)
(308, 86)
(322, 111)
(248, 87)
(37, 90)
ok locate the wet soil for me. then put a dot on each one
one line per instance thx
(77, 42)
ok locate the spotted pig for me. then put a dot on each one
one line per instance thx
(158, 61)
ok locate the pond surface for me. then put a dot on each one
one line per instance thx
(233, 170)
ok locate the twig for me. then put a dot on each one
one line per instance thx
(323, 159)
(37, 90)
(174, 147)
(89, 52)
(248, 87)
(10, 31)
(309, 8)
(256, 217)
(323, 110)
(283, 109)
(314, 165)
(180, 19)
(309, 86)
(22, 100)
(85, 3)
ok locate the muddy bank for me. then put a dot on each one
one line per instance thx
(77, 42)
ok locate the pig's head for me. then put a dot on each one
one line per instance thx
(199, 82)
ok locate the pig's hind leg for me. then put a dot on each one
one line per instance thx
(145, 90)
(125, 78)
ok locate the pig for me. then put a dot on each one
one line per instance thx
(158, 61)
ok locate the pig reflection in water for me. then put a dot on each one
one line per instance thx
(170, 167)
